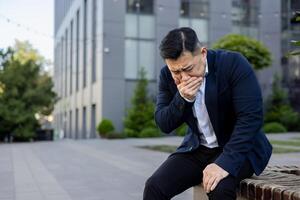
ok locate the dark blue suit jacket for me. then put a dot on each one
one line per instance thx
(234, 104)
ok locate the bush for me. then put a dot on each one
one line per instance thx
(279, 109)
(181, 130)
(130, 133)
(274, 127)
(150, 132)
(141, 114)
(285, 115)
(105, 126)
(256, 53)
(114, 135)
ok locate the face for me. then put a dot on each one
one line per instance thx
(188, 65)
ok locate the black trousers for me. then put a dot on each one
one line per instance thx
(184, 170)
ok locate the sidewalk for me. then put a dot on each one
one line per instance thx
(77, 170)
(88, 169)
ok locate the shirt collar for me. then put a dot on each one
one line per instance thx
(206, 68)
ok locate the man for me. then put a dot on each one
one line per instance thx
(217, 95)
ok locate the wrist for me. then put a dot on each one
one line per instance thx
(190, 100)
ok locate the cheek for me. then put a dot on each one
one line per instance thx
(176, 79)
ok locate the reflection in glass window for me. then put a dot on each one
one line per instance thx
(140, 26)
(140, 6)
(245, 17)
(131, 68)
(139, 54)
(140, 38)
(194, 14)
(146, 49)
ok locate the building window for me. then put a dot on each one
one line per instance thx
(76, 124)
(84, 42)
(93, 121)
(71, 57)
(194, 14)
(142, 6)
(65, 125)
(140, 37)
(62, 67)
(245, 17)
(84, 132)
(66, 63)
(70, 125)
(94, 41)
(77, 48)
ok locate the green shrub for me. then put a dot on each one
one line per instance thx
(279, 109)
(256, 53)
(181, 130)
(130, 133)
(150, 132)
(114, 135)
(105, 126)
(141, 113)
(274, 127)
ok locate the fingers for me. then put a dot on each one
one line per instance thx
(212, 175)
(210, 183)
(195, 82)
(214, 185)
(192, 91)
(189, 88)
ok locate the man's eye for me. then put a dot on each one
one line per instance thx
(188, 69)
(176, 73)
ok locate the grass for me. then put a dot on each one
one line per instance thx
(162, 148)
(286, 142)
(171, 149)
(279, 150)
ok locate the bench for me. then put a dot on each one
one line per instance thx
(276, 182)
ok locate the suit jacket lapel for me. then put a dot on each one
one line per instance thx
(211, 94)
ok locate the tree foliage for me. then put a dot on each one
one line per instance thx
(256, 53)
(141, 114)
(25, 91)
(278, 108)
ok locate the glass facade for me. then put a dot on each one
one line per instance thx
(94, 40)
(245, 17)
(84, 42)
(139, 38)
(77, 48)
(194, 14)
(71, 57)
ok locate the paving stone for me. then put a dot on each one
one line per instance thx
(87, 169)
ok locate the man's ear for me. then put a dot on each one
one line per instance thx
(203, 51)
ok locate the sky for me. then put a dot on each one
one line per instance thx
(36, 24)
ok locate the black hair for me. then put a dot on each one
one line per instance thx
(178, 41)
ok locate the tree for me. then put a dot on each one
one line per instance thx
(26, 91)
(256, 53)
(141, 115)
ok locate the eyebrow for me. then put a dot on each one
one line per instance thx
(189, 66)
(182, 69)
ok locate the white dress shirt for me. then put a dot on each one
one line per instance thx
(207, 135)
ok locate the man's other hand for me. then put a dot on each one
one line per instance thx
(212, 175)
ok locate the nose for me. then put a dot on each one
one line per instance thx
(184, 76)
